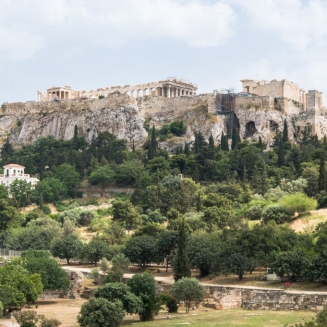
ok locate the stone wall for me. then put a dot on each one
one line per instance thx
(107, 192)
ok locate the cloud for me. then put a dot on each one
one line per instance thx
(299, 23)
(26, 26)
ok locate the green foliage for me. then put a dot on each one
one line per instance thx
(290, 263)
(102, 176)
(187, 290)
(277, 213)
(68, 176)
(101, 313)
(10, 217)
(124, 211)
(51, 189)
(298, 202)
(120, 265)
(112, 292)
(16, 287)
(170, 302)
(53, 277)
(95, 250)
(141, 250)
(66, 248)
(143, 286)
(182, 266)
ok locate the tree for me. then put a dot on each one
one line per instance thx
(322, 179)
(69, 176)
(53, 276)
(104, 265)
(125, 212)
(21, 191)
(141, 250)
(217, 216)
(238, 264)
(289, 263)
(95, 250)
(235, 138)
(182, 266)
(143, 286)
(187, 290)
(166, 244)
(102, 176)
(285, 132)
(101, 313)
(281, 155)
(17, 287)
(66, 248)
(112, 292)
(51, 189)
(120, 264)
(10, 217)
(224, 142)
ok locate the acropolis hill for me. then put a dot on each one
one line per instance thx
(258, 111)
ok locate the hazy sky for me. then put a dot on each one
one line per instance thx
(97, 43)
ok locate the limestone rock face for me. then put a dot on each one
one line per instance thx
(125, 122)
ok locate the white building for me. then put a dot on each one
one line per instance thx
(13, 172)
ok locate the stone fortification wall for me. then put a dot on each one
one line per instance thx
(262, 102)
(152, 105)
(63, 106)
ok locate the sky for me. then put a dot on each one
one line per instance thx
(89, 44)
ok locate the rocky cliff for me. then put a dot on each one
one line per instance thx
(124, 117)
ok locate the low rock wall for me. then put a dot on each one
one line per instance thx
(220, 297)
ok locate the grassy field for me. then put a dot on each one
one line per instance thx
(67, 310)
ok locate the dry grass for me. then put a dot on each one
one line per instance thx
(67, 310)
(309, 222)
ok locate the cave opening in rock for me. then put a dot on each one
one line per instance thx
(273, 126)
(250, 129)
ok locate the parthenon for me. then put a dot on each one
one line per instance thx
(169, 88)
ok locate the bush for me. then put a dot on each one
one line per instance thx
(101, 313)
(276, 212)
(322, 200)
(254, 213)
(298, 202)
(170, 302)
(46, 209)
(86, 217)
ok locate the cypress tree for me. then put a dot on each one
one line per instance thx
(75, 138)
(41, 160)
(211, 148)
(235, 138)
(285, 132)
(263, 184)
(182, 266)
(7, 152)
(325, 140)
(187, 149)
(224, 142)
(196, 143)
(153, 141)
(133, 147)
(281, 154)
(322, 181)
(260, 144)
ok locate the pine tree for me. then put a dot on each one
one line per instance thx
(285, 132)
(281, 154)
(182, 267)
(322, 181)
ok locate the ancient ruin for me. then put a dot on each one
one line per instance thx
(260, 110)
(169, 88)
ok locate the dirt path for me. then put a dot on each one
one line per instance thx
(309, 223)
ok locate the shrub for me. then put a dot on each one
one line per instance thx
(322, 200)
(254, 213)
(298, 202)
(86, 217)
(276, 212)
(101, 313)
(46, 209)
(170, 302)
